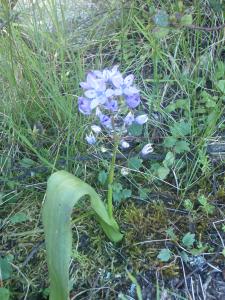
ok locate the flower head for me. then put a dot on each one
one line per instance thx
(111, 105)
(96, 129)
(129, 119)
(111, 98)
(90, 139)
(107, 75)
(105, 120)
(133, 101)
(124, 144)
(147, 149)
(142, 119)
(84, 105)
(124, 86)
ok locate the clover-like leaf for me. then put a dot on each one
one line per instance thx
(188, 240)
(164, 255)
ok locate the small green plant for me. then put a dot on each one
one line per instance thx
(188, 239)
(205, 206)
(164, 255)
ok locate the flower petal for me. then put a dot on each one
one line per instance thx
(94, 103)
(133, 101)
(147, 149)
(128, 120)
(129, 80)
(92, 81)
(100, 85)
(90, 139)
(109, 92)
(142, 119)
(117, 80)
(98, 73)
(97, 129)
(124, 144)
(84, 105)
(85, 85)
(90, 94)
(131, 90)
(118, 92)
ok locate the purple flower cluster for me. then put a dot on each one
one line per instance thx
(112, 98)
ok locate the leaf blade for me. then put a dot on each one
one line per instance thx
(63, 192)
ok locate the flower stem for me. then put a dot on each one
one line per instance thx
(111, 174)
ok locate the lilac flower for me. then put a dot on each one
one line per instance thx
(142, 119)
(109, 94)
(129, 119)
(107, 75)
(90, 139)
(133, 100)
(111, 105)
(97, 129)
(90, 82)
(124, 144)
(123, 86)
(84, 105)
(105, 120)
(96, 90)
(147, 149)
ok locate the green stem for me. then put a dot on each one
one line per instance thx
(111, 175)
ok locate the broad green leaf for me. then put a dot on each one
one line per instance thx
(186, 20)
(135, 129)
(4, 293)
(163, 172)
(126, 193)
(171, 234)
(26, 162)
(180, 129)
(164, 255)
(102, 177)
(117, 191)
(202, 200)
(143, 193)
(188, 205)
(63, 192)
(134, 163)
(169, 159)
(209, 100)
(19, 218)
(188, 240)
(169, 141)
(161, 18)
(184, 256)
(181, 146)
(5, 267)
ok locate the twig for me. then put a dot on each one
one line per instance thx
(181, 282)
(32, 253)
(206, 28)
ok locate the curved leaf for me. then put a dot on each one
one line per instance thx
(63, 191)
